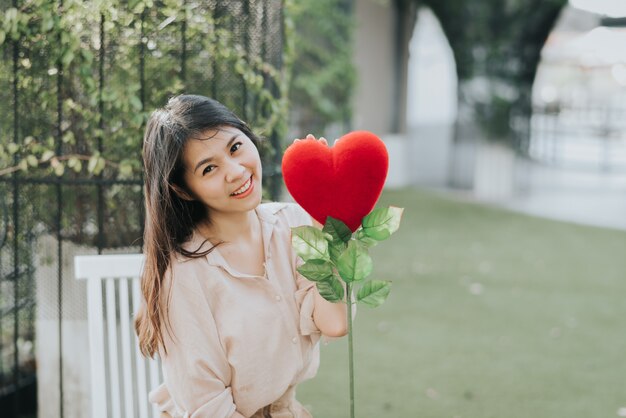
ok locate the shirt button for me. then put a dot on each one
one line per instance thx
(294, 340)
(278, 298)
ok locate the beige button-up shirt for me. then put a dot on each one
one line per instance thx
(240, 343)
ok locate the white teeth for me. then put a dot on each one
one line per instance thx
(244, 187)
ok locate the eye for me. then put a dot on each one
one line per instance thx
(235, 147)
(208, 169)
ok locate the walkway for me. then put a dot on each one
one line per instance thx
(585, 197)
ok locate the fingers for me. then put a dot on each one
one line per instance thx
(311, 136)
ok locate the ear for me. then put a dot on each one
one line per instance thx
(181, 193)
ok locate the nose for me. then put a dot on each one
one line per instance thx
(235, 172)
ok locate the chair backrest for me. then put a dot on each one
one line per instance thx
(120, 376)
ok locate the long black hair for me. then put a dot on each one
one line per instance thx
(170, 218)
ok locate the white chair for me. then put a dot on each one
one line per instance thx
(120, 376)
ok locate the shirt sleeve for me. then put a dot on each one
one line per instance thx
(305, 295)
(195, 366)
(160, 396)
(305, 300)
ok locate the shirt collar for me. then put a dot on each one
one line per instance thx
(266, 214)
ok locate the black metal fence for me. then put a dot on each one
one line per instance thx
(84, 84)
(586, 137)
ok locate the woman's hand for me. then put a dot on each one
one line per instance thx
(330, 318)
(311, 136)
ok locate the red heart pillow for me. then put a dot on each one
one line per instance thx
(343, 181)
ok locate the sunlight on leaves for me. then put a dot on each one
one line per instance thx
(374, 292)
(354, 264)
(382, 222)
(310, 243)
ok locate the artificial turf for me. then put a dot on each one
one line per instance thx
(492, 314)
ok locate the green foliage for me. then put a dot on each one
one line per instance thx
(497, 47)
(310, 243)
(349, 262)
(337, 229)
(316, 270)
(73, 123)
(382, 222)
(354, 264)
(374, 292)
(323, 74)
(331, 289)
(334, 254)
(141, 61)
(340, 234)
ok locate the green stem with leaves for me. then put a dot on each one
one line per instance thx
(336, 254)
(350, 350)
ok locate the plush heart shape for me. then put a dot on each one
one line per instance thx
(343, 181)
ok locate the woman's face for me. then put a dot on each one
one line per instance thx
(223, 170)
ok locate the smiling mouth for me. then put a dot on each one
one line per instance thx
(243, 188)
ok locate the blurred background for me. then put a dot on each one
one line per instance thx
(491, 111)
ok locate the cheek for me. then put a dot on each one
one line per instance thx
(203, 188)
(256, 157)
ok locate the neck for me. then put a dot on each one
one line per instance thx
(231, 227)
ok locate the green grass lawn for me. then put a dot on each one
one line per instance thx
(491, 314)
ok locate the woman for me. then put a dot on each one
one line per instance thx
(236, 327)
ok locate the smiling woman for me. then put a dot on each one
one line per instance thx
(226, 166)
(236, 326)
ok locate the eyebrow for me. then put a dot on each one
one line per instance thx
(209, 159)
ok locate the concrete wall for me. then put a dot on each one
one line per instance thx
(374, 61)
(381, 55)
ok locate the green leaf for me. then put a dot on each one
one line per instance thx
(92, 164)
(336, 248)
(126, 168)
(374, 292)
(337, 229)
(331, 289)
(67, 58)
(316, 270)
(354, 264)
(100, 164)
(59, 169)
(87, 55)
(47, 155)
(68, 138)
(10, 14)
(382, 222)
(78, 166)
(309, 243)
(75, 164)
(365, 240)
(13, 148)
(47, 23)
(135, 102)
(32, 160)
